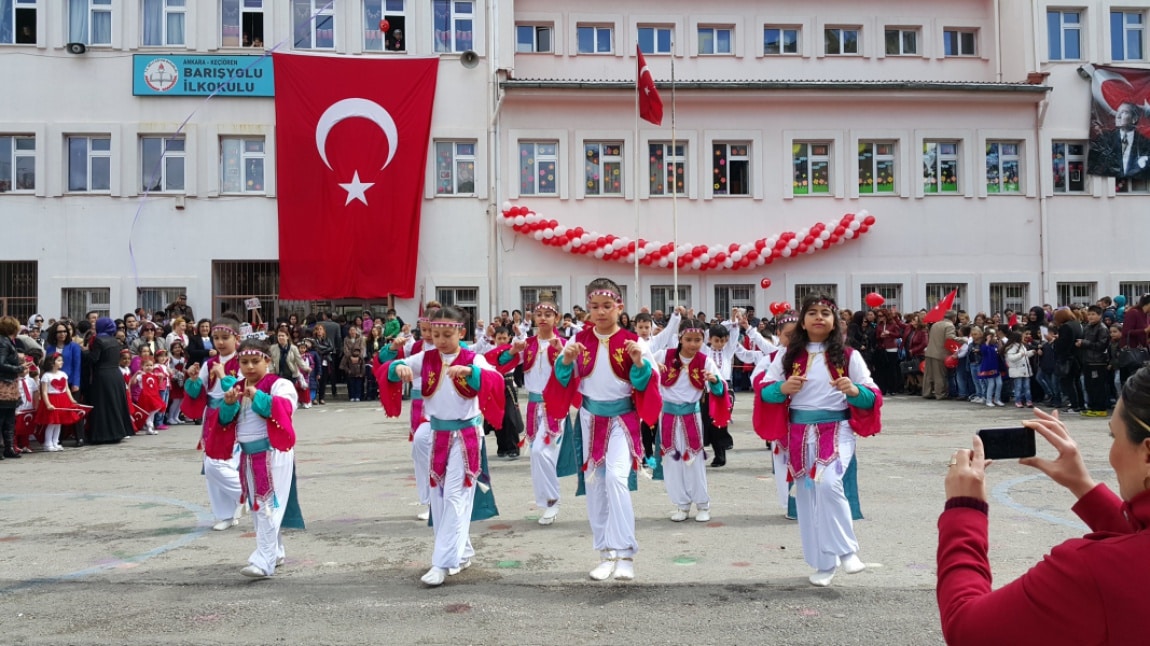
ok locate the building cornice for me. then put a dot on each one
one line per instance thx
(788, 85)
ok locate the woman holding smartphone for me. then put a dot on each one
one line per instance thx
(1089, 590)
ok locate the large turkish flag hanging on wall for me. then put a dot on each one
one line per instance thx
(351, 149)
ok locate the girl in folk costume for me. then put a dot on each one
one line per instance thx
(26, 425)
(57, 407)
(256, 416)
(420, 436)
(458, 385)
(176, 367)
(148, 380)
(613, 371)
(163, 376)
(139, 415)
(812, 399)
(505, 358)
(203, 396)
(684, 375)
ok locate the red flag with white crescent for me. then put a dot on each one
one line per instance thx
(939, 310)
(650, 105)
(351, 149)
(1119, 122)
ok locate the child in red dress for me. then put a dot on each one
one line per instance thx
(57, 407)
(150, 399)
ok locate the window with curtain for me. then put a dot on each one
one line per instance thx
(164, 22)
(90, 22)
(18, 22)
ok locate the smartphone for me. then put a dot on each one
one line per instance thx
(1008, 443)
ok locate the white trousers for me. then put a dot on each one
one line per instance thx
(223, 479)
(544, 457)
(51, 435)
(174, 410)
(421, 458)
(782, 487)
(686, 483)
(269, 539)
(451, 505)
(608, 499)
(824, 514)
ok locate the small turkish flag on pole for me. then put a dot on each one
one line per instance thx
(938, 311)
(650, 105)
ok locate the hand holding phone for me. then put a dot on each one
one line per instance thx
(1008, 443)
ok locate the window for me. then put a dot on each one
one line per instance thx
(591, 39)
(235, 281)
(78, 301)
(533, 39)
(663, 297)
(603, 168)
(163, 22)
(1126, 34)
(1077, 293)
(90, 22)
(714, 40)
(162, 164)
(1131, 185)
(935, 292)
(454, 25)
(841, 41)
(876, 167)
(313, 24)
(18, 286)
(529, 297)
(89, 164)
(825, 289)
(537, 167)
(464, 298)
(1009, 296)
(455, 168)
(778, 41)
(1002, 171)
(731, 169)
(155, 299)
(1069, 166)
(940, 166)
(655, 40)
(18, 22)
(1132, 290)
(391, 39)
(667, 167)
(17, 163)
(959, 42)
(901, 42)
(891, 293)
(242, 165)
(728, 296)
(241, 23)
(1064, 35)
(812, 162)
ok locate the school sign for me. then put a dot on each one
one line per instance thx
(165, 75)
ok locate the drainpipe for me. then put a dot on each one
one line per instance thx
(494, 104)
(997, 42)
(1043, 217)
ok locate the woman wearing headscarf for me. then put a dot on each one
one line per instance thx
(111, 421)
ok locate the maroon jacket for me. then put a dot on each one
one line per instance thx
(1089, 590)
(916, 341)
(894, 330)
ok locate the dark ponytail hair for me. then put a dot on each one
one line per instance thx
(835, 352)
(449, 313)
(1136, 406)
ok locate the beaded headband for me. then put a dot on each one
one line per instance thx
(225, 328)
(546, 306)
(825, 303)
(690, 329)
(445, 323)
(786, 320)
(252, 352)
(604, 292)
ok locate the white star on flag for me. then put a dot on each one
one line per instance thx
(356, 189)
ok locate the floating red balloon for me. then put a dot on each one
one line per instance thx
(765, 283)
(875, 299)
(384, 25)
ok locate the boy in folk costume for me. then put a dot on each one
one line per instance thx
(684, 375)
(256, 416)
(204, 394)
(460, 389)
(812, 400)
(722, 351)
(504, 357)
(613, 371)
(657, 343)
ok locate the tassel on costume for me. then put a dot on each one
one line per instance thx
(676, 455)
(275, 501)
(812, 474)
(522, 442)
(790, 476)
(466, 481)
(484, 488)
(200, 445)
(255, 504)
(776, 448)
(547, 438)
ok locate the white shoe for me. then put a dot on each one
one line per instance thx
(852, 564)
(978, 400)
(152, 431)
(254, 572)
(424, 515)
(226, 523)
(625, 569)
(679, 516)
(606, 568)
(822, 579)
(307, 405)
(435, 576)
(999, 403)
(990, 403)
(280, 561)
(703, 515)
(452, 571)
(549, 515)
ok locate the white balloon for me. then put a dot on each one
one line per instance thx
(760, 261)
(802, 234)
(786, 252)
(520, 220)
(695, 264)
(663, 262)
(793, 243)
(567, 247)
(705, 257)
(538, 235)
(849, 233)
(825, 235)
(854, 225)
(737, 256)
(642, 252)
(811, 249)
(818, 243)
(506, 206)
(560, 230)
(728, 263)
(629, 258)
(549, 233)
(586, 238)
(772, 241)
(599, 252)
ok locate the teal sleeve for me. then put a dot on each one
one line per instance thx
(718, 387)
(262, 404)
(641, 374)
(387, 353)
(563, 372)
(193, 387)
(505, 357)
(228, 382)
(391, 376)
(474, 379)
(228, 412)
(773, 394)
(865, 398)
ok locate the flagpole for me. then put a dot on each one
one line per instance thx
(674, 186)
(638, 82)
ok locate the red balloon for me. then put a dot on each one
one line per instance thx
(868, 220)
(384, 25)
(765, 283)
(760, 244)
(863, 228)
(875, 299)
(802, 248)
(839, 230)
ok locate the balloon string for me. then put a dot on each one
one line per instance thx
(180, 130)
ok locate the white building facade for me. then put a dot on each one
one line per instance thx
(919, 113)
